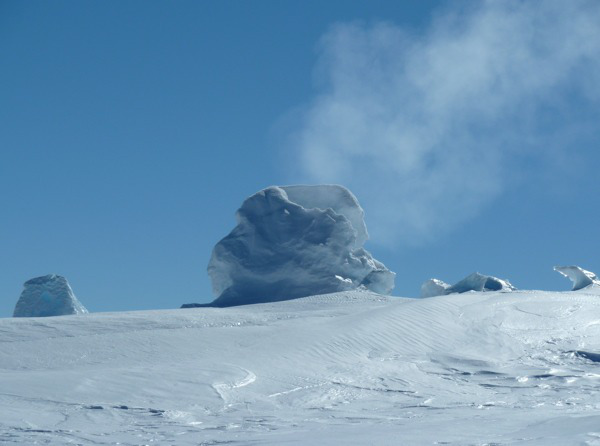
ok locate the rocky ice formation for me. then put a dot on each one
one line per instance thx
(295, 241)
(434, 287)
(481, 282)
(580, 277)
(473, 282)
(48, 295)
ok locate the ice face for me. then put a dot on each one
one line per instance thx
(338, 198)
(480, 282)
(48, 295)
(434, 287)
(295, 241)
(473, 282)
(580, 277)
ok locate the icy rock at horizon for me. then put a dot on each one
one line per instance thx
(295, 241)
(473, 282)
(580, 277)
(434, 287)
(49, 295)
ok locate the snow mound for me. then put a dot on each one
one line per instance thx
(295, 241)
(580, 277)
(473, 282)
(48, 295)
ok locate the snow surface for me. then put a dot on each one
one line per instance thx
(354, 367)
(295, 241)
(49, 295)
(473, 282)
(580, 277)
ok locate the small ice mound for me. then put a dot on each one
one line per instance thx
(481, 282)
(473, 282)
(295, 241)
(580, 277)
(434, 287)
(590, 356)
(48, 295)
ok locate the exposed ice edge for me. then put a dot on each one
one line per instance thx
(473, 282)
(580, 277)
(295, 241)
(49, 295)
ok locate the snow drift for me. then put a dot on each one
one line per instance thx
(295, 241)
(473, 282)
(49, 295)
(580, 277)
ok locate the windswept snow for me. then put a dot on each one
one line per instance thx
(355, 367)
(473, 282)
(295, 241)
(580, 277)
(49, 295)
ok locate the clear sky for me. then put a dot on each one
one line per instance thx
(130, 132)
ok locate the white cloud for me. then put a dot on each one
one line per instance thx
(423, 127)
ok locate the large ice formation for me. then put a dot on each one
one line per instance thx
(580, 277)
(295, 241)
(473, 282)
(48, 295)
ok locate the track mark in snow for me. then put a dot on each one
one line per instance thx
(285, 392)
(295, 389)
(223, 389)
(249, 379)
(373, 389)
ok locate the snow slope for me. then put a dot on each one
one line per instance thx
(516, 368)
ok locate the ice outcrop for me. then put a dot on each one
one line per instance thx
(580, 277)
(434, 287)
(295, 241)
(473, 282)
(48, 295)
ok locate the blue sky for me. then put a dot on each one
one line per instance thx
(130, 132)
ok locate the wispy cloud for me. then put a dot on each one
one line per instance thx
(424, 127)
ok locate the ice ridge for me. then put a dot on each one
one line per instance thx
(580, 277)
(473, 282)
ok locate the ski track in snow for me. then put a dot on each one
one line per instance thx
(518, 368)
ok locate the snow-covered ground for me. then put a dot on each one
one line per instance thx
(514, 368)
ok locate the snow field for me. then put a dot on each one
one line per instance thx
(345, 368)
